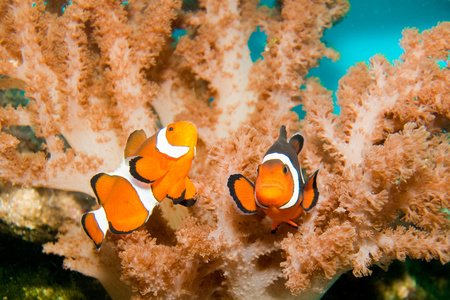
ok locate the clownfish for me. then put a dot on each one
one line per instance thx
(153, 168)
(280, 189)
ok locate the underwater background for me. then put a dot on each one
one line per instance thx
(369, 28)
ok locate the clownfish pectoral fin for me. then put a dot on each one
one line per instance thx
(310, 193)
(275, 226)
(242, 191)
(121, 202)
(148, 169)
(134, 141)
(95, 225)
(297, 141)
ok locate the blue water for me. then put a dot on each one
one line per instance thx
(370, 27)
(257, 43)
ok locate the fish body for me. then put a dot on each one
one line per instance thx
(280, 189)
(153, 168)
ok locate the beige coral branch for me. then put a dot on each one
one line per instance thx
(101, 69)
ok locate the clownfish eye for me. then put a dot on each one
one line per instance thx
(285, 169)
(170, 128)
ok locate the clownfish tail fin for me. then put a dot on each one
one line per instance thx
(310, 192)
(95, 225)
(242, 191)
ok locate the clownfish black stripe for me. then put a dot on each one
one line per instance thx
(188, 202)
(178, 200)
(134, 173)
(93, 184)
(115, 231)
(310, 193)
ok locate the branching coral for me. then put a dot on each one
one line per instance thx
(83, 72)
(105, 68)
(386, 160)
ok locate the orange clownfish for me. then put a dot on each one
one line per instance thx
(280, 189)
(152, 169)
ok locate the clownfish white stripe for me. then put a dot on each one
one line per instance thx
(259, 204)
(143, 190)
(100, 218)
(165, 147)
(300, 170)
(294, 172)
(301, 174)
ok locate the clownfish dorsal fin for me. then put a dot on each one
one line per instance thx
(134, 141)
(297, 141)
(149, 168)
(310, 192)
(242, 191)
(95, 225)
(283, 133)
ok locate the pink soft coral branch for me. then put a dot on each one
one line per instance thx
(102, 70)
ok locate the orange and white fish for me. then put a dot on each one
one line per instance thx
(280, 189)
(152, 169)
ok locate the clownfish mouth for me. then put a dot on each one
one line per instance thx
(270, 184)
(269, 191)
